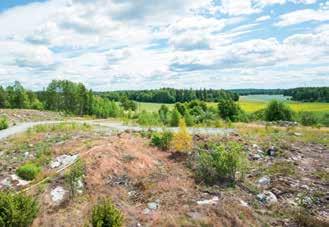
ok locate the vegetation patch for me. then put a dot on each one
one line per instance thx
(105, 214)
(162, 140)
(3, 123)
(17, 209)
(74, 176)
(28, 171)
(221, 162)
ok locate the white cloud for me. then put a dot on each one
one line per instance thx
(263, 18)
(301, 16)
(111, 44)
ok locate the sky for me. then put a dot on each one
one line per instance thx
(146, 44)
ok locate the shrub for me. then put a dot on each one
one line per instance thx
(3, 123)
(221, 162)
(74, 175)
(28, 171)
(105, 214)
(17, 209)
(162, 140)
(308, 118)
(182, 140)
(228, 109)
(278, 111)
(175, 116)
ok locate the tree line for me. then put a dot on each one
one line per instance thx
(308, 94)
(170, 95)
(302, 94)
(60, 95)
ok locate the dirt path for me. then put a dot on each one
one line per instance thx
(113, 126)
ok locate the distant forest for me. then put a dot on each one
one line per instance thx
(170, 95)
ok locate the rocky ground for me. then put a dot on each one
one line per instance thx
(19, 115)
(287, 183)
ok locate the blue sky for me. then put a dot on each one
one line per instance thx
(144, 44)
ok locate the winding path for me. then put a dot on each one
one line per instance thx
(113, 126)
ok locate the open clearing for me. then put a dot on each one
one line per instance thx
(158, 188)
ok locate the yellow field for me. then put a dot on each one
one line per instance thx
(250, 106)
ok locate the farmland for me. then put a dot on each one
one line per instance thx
(253, 103)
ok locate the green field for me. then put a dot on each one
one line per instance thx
(253, 103)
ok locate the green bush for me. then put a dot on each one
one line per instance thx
(74, 175)
(105, 214)
(3, 123)
(17, 210)
(228, 109)
(308, 118)
(278, 111)
(28, 171)
(221, 162)
(162, 140)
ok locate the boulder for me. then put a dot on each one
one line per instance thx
(267, 198)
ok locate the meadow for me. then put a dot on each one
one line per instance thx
(252, 103)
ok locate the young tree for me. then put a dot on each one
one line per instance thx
(175, 116)
(182, 140)
(228, 109)
(163, 113)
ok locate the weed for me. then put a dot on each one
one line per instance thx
(105, 214)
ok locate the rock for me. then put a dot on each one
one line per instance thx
(5, 183)
(256, 156)
(263, 181)
(267, 198)
(18, 181)
(255, 146)
(214, 200)
(271, 151)
(243, 203)
(152, 206)
(26, 154)
(146, 211)
(298, 134)
(58, 194)
(54, 164)
(194, 215)
(63, 160)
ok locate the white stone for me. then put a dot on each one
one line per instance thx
(214, 200)
(152, 206)
(267, 197)
(63, 160)
(264, 181)
(20, 181)
(57, 194)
